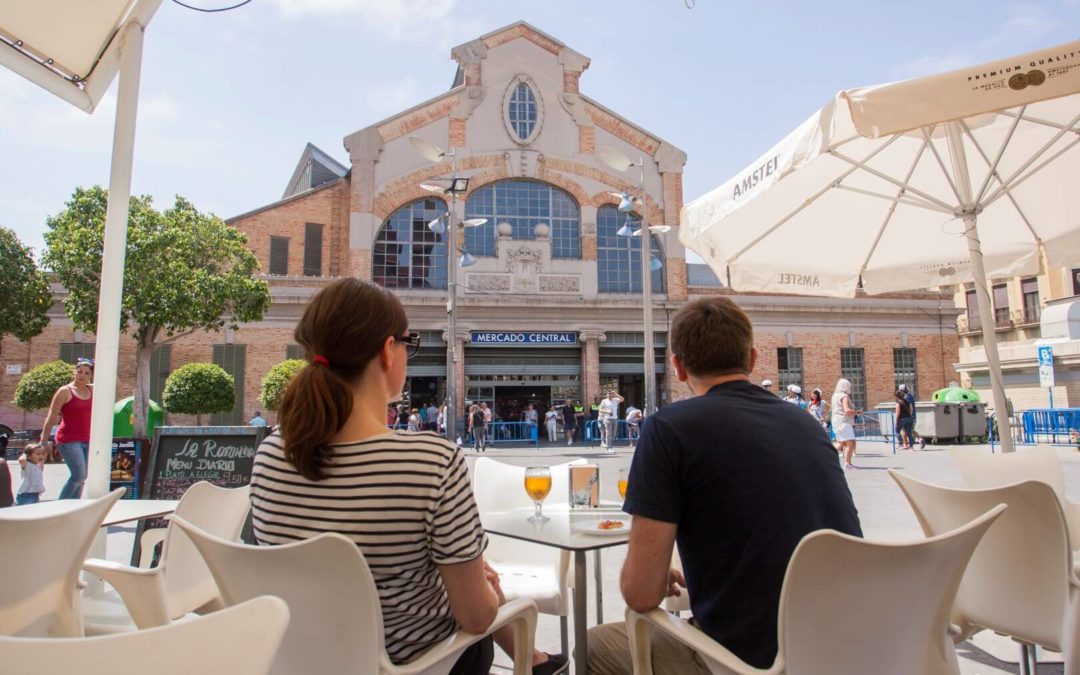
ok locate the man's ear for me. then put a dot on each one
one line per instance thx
(753, 358)
(680, 371)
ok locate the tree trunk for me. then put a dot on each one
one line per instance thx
(144, 349)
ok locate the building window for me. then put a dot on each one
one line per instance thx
(1075, 281)
(522, 111)
(279, 256)
(407, 254)
(618, 259)
(1029, 288)
(524, 205)
(160, 367)
(972, 311)
(293, 352)
(313, 250)
(1000, 295)
(852, 370)
(70, 352)
(903, 359)
(233, 360)
(790, 364)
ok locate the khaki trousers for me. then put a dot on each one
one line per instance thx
(609, 653)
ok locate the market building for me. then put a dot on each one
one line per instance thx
(552, 307)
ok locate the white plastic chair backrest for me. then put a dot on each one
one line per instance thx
(219, 511)
(981, 469)
(241, 640)
(41, 559)
(838, 580)
(1018, 580)
(336, 624)
(498, 486)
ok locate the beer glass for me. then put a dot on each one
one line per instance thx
(623, 475)
(537, 486)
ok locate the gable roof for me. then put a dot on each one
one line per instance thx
(315, 168)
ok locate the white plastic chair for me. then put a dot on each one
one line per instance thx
(985, 470)
(241, 640)
(337, 622)
(41, 559)
(181, 583)
(889, 601)
(1020, 581)
(529, 571)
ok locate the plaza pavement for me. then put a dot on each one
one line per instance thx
(883, 511)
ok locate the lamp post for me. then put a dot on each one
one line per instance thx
(621, 163)
(455, 185)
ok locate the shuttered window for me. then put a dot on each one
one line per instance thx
(293, 352)
(160, 367)
(233, 360)
(279, 256)
(313, 250)
(70, 352)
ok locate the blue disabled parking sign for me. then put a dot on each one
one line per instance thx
(1046, 366)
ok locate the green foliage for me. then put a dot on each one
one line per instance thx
(273, 385)
(36, 388)
(24, 289)
(199, 389)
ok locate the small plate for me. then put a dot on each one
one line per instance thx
(593, 527)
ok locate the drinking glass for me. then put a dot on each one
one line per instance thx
(537, 486)
(623, 475)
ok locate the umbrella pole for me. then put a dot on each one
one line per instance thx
(978, 271)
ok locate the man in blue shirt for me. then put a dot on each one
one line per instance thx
(736, 477)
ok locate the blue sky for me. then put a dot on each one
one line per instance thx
(228, 100)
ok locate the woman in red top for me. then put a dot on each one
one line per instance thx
(72, 403)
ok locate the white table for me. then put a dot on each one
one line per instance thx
(123, 511)
(559, 532)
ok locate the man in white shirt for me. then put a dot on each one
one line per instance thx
(633, 424)
(609, 418)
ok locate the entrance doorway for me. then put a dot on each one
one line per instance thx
(510, 402)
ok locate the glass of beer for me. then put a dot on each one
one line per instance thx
(537, 486)
(623, 475)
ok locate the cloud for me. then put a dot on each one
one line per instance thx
(394, 18)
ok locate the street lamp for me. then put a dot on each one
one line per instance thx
(621, 163)
(455, 185)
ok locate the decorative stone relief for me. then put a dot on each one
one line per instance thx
(563, 284)
(588, 229)
(524, 265)
(488, 282)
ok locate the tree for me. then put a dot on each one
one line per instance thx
(273, 385)
(24, 289)
(184, 272)
(36, 388)
(199, 389)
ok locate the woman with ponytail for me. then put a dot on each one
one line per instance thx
(403, 497)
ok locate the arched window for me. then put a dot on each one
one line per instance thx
(524, 204)
(618, 259)
(407, 254)
(522, 111)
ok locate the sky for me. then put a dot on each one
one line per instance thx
(229, 100)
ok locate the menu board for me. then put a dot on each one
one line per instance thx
(183, 456)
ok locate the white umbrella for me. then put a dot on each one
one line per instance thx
(929, 182)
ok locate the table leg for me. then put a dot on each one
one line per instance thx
(581, 658)
(598, 579)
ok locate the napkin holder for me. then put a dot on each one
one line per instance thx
(584, 486)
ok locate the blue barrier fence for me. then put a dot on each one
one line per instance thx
(624, 433)
(497, 432)
(1052, 425)
(876, 425)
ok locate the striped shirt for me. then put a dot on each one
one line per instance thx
(405, 499)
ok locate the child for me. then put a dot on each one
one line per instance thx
(32, 462)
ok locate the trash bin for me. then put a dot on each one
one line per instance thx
(972, 421)
(955, 395)
(124, 418)
(937, 422)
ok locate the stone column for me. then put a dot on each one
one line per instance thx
(590, 366)
(364, 149)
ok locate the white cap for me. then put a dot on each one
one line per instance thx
(902, 387)
(794, 389)
(766, 383)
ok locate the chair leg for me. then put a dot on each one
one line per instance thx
(564, 634)
(1027, 658)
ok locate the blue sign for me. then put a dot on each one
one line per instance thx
(478, 337)
(1046, 355)
(1046, 369)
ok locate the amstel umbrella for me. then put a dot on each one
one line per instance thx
(935, 181)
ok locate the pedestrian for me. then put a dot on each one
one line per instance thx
(530, 415)
(818, 408)
(257, 420)
(579, 417)
(72, 404)
(422, 414)
(477, 427)
(737, 497)
(402, 417)
(433, 418)
(488, 414)
(794, 396)
(634, 417)
(391, 415)
(414, 420)
(843, 421)
(551, 423)
(32, 462)
(609, 419)
(912, 433)
(570, 420)
(404, 499)
(904, 420)
(767, 385)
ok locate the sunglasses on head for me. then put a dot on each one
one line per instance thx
(84, 362)
(411, 341)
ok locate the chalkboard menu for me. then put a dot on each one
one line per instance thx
(183, 456)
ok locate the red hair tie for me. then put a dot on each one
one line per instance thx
(319, 358)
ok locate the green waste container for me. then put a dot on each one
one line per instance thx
(124, 422)
(956, 395)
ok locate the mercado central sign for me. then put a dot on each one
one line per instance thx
(478, 337)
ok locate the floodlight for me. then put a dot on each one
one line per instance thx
(467, 259)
